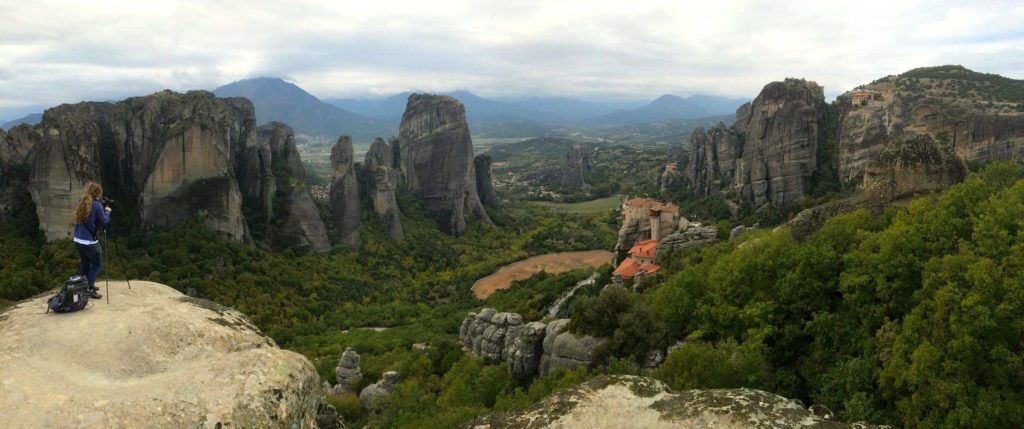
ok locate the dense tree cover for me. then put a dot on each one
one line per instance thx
(911, 318)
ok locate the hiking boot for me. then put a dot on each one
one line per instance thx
(95, 293)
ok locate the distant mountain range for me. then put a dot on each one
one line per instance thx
(30, 119)
(364, 119)
(277, 100)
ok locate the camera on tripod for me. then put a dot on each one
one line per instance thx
(107, 201)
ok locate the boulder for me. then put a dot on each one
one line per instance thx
(382, 177)
(327, 417)
(563, 349)
(911, 166)
(151, 357)
(437, 161)
(348, 372)
(689, 238)
(524, 354)
(639, 402)
(344, 199)
(373, 393)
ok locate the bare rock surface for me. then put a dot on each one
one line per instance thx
(638, 402)
(436, 156)
(373, 393)
(344, 199)
(348, 372)
(151, 358)
(383, 176)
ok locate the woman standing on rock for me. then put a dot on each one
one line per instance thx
(90, 217)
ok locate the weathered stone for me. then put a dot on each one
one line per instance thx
(371, 395)
(327, 417)
(166, 360)
(383, 177)
(14, 169)
(563, 349)
(639, 402)
(298, 225)
(348, 372)
(569, 178)
(344, 200)
(524, 354)
(437, 160)
(485, 181)
(687, 239)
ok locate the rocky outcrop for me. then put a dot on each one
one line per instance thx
(348, 372)
(490, 333)
(769, 154)
(372, 394)
(382, 178)
(165, 357)
(639, 402)
(344, 199)
(689, 238)
(913, 165)
(297, 223)
(485, 181)
(527, 350)
(524, 354)
(973, 112)
(631, 231)
(903, 169)
(563, 349)
(14, 169)
(437, 160)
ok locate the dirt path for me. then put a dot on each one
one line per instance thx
(553, 263)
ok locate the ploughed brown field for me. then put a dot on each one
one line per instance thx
(553, 263)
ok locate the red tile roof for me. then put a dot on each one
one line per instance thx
(629, 267)
(644, 249)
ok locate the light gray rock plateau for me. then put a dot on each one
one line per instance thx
(151, 358)
(638, 402)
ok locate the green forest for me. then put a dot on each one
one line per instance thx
(910, 318)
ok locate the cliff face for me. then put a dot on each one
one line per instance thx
(344, 199)
(981, 116)
(437, 160)
(485, 181)
(569, 178)
(294, 218)
(769, 154)
(14, 168)
(383, 177)
(165, 158)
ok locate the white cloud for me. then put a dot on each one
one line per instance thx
(65, 51)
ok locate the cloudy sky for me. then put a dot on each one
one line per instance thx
(65, 51)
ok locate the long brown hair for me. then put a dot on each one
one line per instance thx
(92, 190)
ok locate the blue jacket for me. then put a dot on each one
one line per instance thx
(89, 230)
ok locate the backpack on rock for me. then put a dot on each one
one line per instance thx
(73, 296)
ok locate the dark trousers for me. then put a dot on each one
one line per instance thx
(91, 257)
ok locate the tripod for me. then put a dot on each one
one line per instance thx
(103, 263)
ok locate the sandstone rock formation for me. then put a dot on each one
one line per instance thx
(373, 393)
(563, 349)
(437, 160)
(528, 350)
(686, 239)
(14, 169)
(523, 356)
(974, 113)
(485, 181)
(161, 359)
(904, 168)
(167, 158)
(769, 154)
(382, 177)
(297, 224)
(913, 165)
(344, 199)
(638, 402)
(348, 372)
